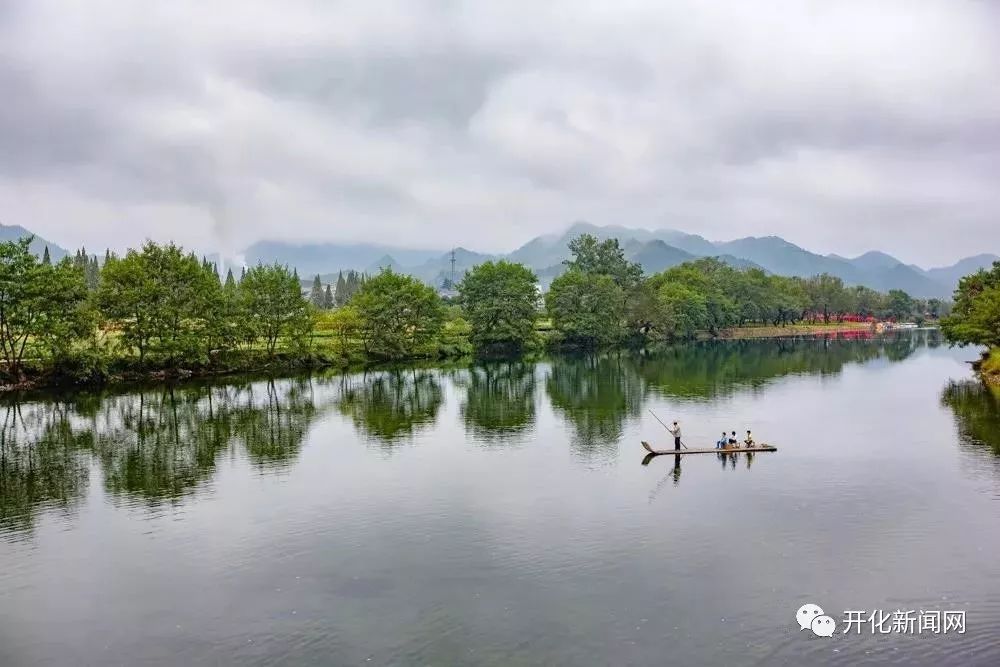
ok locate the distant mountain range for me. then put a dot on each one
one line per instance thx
(14, 232)
(655, 250)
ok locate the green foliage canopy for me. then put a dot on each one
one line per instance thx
(273, 306)
(975, 317)
(607, 258)
(39, 302)
(587, 309)
(499, 301)
(163, 301)
(400, 316)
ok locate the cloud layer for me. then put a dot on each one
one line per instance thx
(840, 126)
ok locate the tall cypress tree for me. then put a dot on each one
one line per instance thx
(316, 294)
(352, 284)
(340, 295)
(93, 273)
(230, 281)
(45, 257)
(328, 297)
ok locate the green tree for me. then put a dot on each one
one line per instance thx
(899, 304)
(400, 316)
(66, 315)
(46, 259)
(231, 324)
(937, 308)
(680, 311)
(38, 302)
(978, 323)
(340, 294)
(345, 324)
(316, 296)
(975, 315)
(92, 273)
(273, 307)
(790, 299)
(328, 298)
(163, 301)
(586, 309)
(351, 284)
(720, 285)
(499, 300)
(827, 296)
(867, 301)
(607, 258)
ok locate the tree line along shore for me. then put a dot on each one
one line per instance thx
(161, 312)
(975, 319)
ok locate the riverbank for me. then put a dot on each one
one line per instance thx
(988, 367)
(327, 352)
(123, 373)
(746, 333)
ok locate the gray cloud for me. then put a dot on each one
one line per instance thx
(841, 126)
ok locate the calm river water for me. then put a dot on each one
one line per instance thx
(501, 514)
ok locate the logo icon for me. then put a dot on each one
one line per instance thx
(823, 626)
(811, 617)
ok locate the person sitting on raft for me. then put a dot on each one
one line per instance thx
(749, 441)
(733, 442)
(723, 441)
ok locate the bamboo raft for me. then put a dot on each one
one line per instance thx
(763, 447)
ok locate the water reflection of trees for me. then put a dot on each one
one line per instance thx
(157, 445)
(391, 406)
(708, 370)
(41, 463)
(161, 444)
(272, 421)
(596, 395)
(977, 413)
(499, 399)
(153, 446)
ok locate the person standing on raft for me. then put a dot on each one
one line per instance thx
(676, 432)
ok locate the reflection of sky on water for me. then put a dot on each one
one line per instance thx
(502, 509)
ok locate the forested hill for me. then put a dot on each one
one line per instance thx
(655, 250)
(14, 232)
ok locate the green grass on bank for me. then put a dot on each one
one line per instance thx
(991, 364)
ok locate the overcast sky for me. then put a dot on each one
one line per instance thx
(841, 126)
